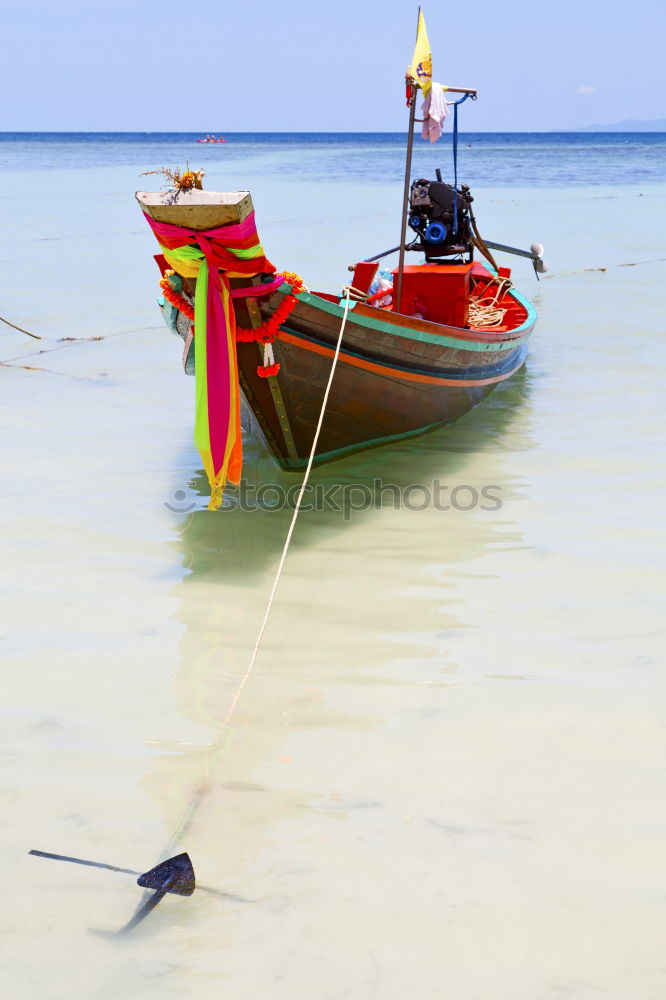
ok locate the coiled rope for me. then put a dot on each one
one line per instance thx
(487, 314)
(215, 745)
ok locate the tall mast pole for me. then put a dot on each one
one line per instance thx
(408, 170)
(405, 197)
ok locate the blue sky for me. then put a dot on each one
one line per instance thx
(215, 65)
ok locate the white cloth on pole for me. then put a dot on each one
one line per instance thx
(434, 112)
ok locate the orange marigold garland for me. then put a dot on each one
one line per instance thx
(264, 334)
(175, 298)
(269, 329)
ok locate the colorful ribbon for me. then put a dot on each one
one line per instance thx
(212, 257)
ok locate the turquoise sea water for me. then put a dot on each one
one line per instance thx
(445, 776)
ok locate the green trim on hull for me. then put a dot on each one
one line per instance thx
(330, 456)
(323, 305)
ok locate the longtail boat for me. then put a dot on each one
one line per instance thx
(422, 345)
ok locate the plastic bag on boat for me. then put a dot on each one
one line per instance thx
(383, 282)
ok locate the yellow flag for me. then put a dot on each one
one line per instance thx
(420, 68)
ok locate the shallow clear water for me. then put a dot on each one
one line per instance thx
(445, 776)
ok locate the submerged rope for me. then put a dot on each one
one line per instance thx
(196, 798)
(20, 329)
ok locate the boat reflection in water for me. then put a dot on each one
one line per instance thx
(354, 611)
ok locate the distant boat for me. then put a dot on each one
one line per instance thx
(211, 138)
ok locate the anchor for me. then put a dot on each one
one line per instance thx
(175, 875)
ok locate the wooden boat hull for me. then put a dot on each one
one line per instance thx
(398, 373)
(396, 376)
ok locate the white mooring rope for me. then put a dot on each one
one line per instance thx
(189, 813)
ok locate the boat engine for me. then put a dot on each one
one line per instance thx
(440, 216)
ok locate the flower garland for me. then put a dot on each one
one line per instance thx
(269, 329)
(174, 298)
(264, 334)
